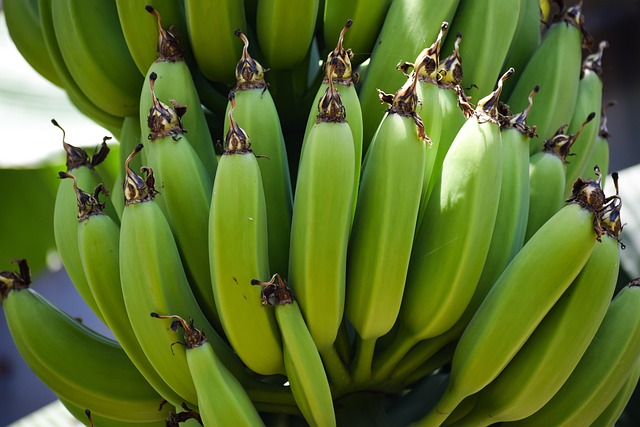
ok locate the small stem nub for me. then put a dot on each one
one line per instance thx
(343, 71)
(330, 107)
(88, 204)
(168, 47)
(193, 337)
(15, 280)
(274, 292)
(236, 140)
(449, 72)
(136, 189)
(249, 72)
(162, 119)
(488, 106)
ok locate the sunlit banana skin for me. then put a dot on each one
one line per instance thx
(101, 376)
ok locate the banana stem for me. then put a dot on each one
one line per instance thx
(337, 372)
(392, 355)
(363, 359)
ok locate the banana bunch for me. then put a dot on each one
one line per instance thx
(384, 213)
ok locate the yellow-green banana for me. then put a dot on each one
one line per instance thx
(284, 30)
(613, 412)
(407, 25)
(211, 26)
(96, 54)
(555, 66)
(221, 397)
(73, 360)
(86, 417)
(238, 252)
(257, 113)
(521, 297)
(303, 365)
(385, 222)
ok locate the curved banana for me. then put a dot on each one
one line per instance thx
(25, 29)
(101, 376)
(547, 177)
(557, 345)
(603, 369)
(65, 213)
(139, 30)
(284, 30)
(302, 362)
(184, 188)
(257, 113)
(368, 16)
(589, 100)
(613, 412)
(322, 215)
(555, 66)
(452, 241)
(520, 298)
(221, 397)
(174, 81)
(385, 222)
(96, 54)
(86, 417)
(488, 28)
(153, 280)
(211, 26)
(238, 252)
(407, 24)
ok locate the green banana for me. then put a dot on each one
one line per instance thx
(555, 66)
(101, 376)
(520, 298)
(257, 113)
(221, 398)
(303, 365)
(603, 369)
(174, 81)
(238, 252)
(65, 213)
(342, 79)
(140, 32)
(368, 15)
(209, 21)
(75, 94)
(385, 222)
(488, 28)
(284, 30)
(407, 24)
(547, 177)
(612, 413)
(86, 417)
(452, 241)
(153, 280)
(554, 349)
(322, 215)
(25, 29)
(90, 39)
(184, 193)
(589, 99)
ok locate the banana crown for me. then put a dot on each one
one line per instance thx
(169, 48)
(342, 74)
(12, 280)
(76, 156)
(249, 72)
(274, 292)
(330, 107)
(236, 140)
(136, 189)
(449, 72)
(88, 204)
(162, 119)
(560, 143)
(518, 121)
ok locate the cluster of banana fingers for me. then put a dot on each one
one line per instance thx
(375, 242)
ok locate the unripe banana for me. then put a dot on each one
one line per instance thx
(589, 99)
(215, 21)
(385, 222)
(221, 398)
(547, 177)
(302, 362)
(555, 66)
(238, 252)
(614, 411)
(322, 214)
(86, 417)
(520, 298)
(153, 280)
(407, 25)
(101, 376)
(65, 213)
(257, 112)
(184, 188)
(452, 241)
